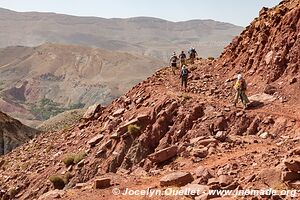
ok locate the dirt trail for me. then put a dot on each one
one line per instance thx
(269, 108)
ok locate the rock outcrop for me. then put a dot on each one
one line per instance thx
(13, 133)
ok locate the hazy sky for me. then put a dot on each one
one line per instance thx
(239, 12)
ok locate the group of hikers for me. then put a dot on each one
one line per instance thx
(183, 61)
(240, 85)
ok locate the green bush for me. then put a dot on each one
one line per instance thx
(80, 156)
(133, 129)
(72, 159)
(186, 97)
(57, 181)
(69, 160)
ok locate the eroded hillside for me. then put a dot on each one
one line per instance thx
(13, 133)
(40, 82)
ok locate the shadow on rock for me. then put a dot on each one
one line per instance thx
(255, 105)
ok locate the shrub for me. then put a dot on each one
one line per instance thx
(133, 129)
(186, 97)
(69, 160)
(57, 181)
(211, 58)
(72, 159)
(80, 156)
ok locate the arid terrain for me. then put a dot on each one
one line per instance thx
(40, 82)
(50, 63)
(13, 133)
(142, 35)
(157, 136)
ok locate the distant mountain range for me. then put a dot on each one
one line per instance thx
(51, 62)
(141, 35)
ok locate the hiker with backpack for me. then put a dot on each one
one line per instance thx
(182, 58)
(240, 88)
(193, 54)
(184, 77)
(173, 62)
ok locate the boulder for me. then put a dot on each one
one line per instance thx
(164, 154)
(206, 142)
(81, 163)
(295, 185)
(293, 80)
(81, 185)
(269, 89)
(102, 183)
(142, 118)
(253, 128)
(91, 111)
(271, 177)
(290, 176)
(200, 153)
(105, 145)
(123, 128)
(221, 136)
(176, 179)
(293, 164)
(53, 194)
(95, 140)
(262, 98)
(213, 181)
(118, 112)
(269, 57)
(221, 124)
(264, 135)
(197, 139)
(225, 180)
(204, 173)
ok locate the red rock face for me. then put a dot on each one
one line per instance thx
(13, 133)
(269, 46)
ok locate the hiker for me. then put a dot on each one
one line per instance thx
(173, 62)
(241, 87)
(193, 54)
(184, 77)
(182, 58)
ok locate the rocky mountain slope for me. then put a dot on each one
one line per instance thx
(13, 133)
(39, 82)
(62, 121)
(141, 35)
(156, 136)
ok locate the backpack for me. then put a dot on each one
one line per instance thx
(182, 56)
(174, 59)
(193, 53)
(184, 72)
(243, 85)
